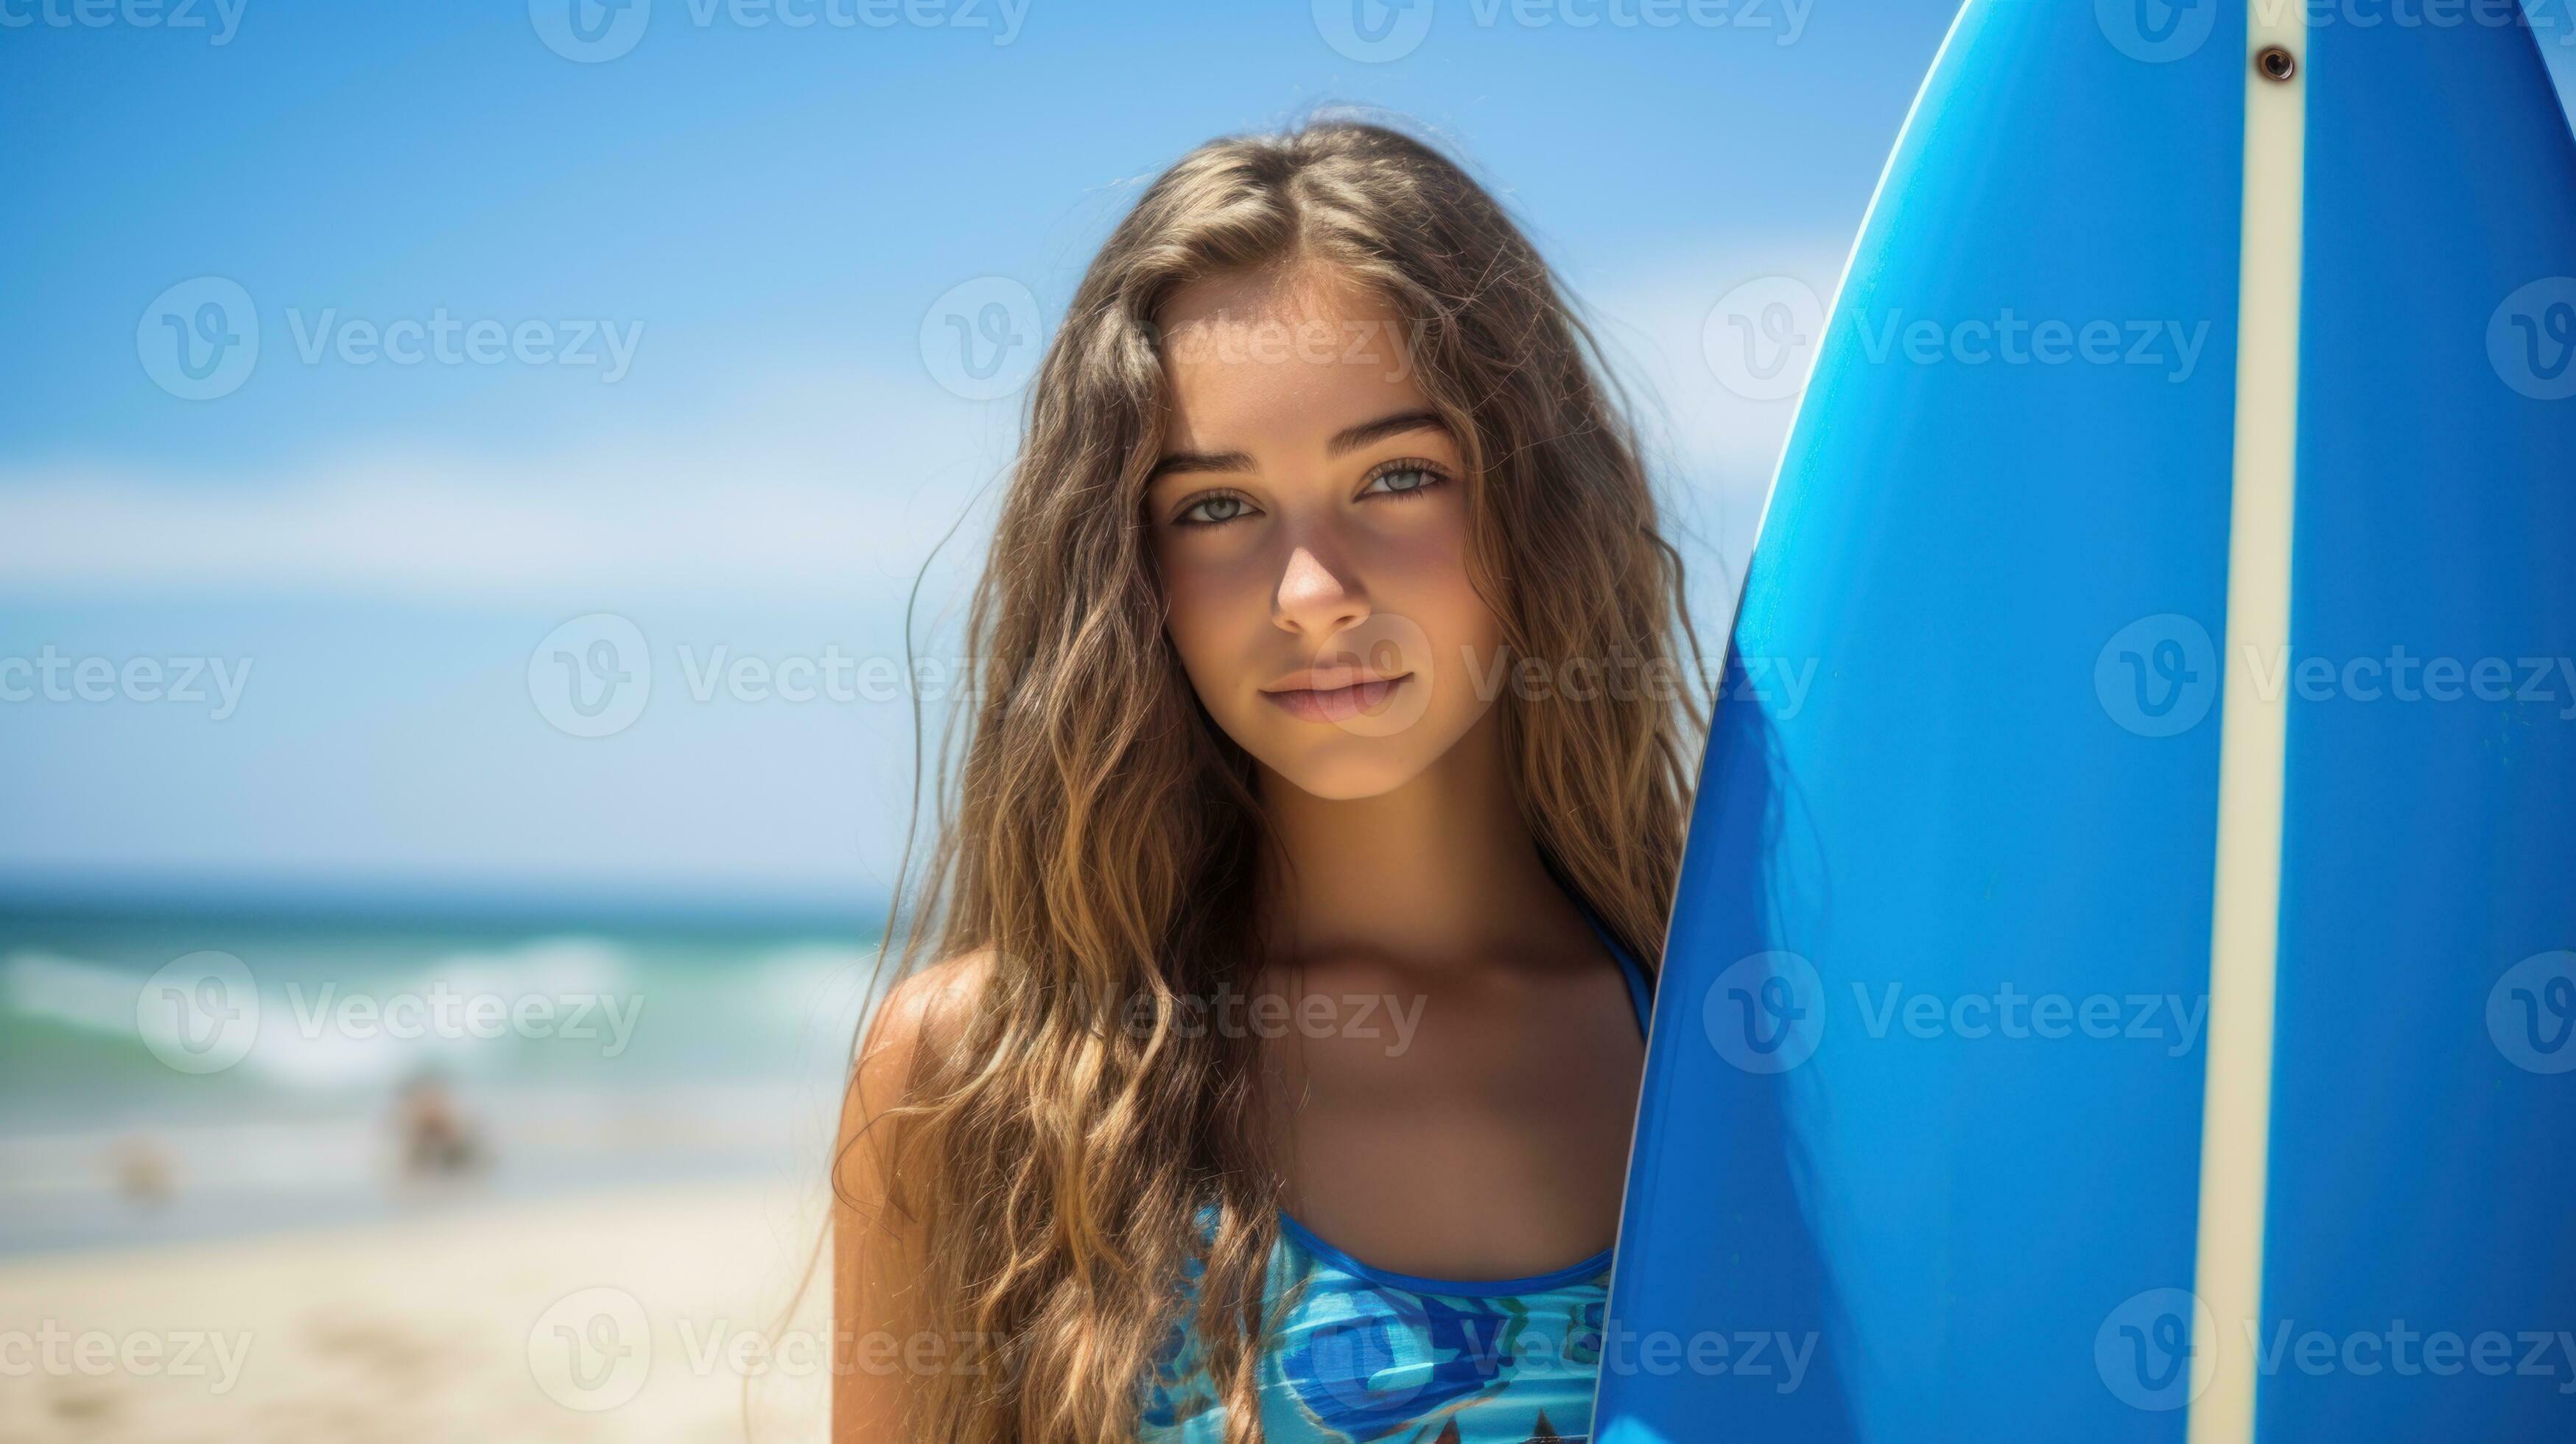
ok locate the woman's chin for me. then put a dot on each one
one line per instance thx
(1347, 768)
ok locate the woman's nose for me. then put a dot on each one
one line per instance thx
(1314, 598)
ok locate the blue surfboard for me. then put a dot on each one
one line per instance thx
(2127, 994)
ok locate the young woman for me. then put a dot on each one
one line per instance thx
(1298, 897)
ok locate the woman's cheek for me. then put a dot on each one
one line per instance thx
(1211, 622)
(1436, 594)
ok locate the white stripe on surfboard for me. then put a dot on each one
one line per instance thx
(2245, 920)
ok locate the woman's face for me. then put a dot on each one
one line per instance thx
(1309, 518)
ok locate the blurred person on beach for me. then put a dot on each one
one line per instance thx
(144, 1176)
(436, 1141)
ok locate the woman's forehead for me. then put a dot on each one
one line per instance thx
(1298, 403)
(1298, 298)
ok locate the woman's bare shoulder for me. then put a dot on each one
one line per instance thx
(930, 1007)
(933, 1003)
(876, 1239)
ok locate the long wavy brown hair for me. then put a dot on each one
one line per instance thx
(1101, 840)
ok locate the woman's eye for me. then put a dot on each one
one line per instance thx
(1214, 510)
(1402, 481)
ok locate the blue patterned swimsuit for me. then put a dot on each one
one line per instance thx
(1366, 1354)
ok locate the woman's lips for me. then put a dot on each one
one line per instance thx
(1336, 704)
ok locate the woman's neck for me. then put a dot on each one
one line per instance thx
(1442, 869)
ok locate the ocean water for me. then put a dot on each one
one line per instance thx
(190, 1076)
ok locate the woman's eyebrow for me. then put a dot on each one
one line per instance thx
(1352, 438)
(1179, 461)
(1349, 438)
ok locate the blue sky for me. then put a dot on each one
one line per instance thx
(762, 215)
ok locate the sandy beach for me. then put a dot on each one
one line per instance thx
(635, 1315)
